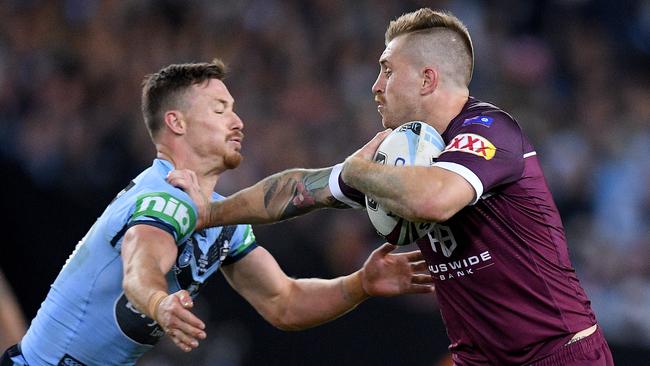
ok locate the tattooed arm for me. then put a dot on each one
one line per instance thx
(278, 197)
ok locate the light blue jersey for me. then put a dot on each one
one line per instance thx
(86, 319)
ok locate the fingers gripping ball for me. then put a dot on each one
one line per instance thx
(413, 143)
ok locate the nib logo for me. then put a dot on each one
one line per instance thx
(170, 210)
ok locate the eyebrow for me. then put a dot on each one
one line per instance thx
(384, 62)
(226, 102)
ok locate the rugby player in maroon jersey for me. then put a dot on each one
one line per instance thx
(499, 258)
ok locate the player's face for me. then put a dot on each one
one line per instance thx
(214, 129)
(396, 89)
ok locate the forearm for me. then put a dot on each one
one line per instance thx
(278, 197)
(393, 187)
(144, 285)
(416, 193)
(317, 301)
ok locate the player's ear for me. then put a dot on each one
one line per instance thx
(429, 81)
(175, 122)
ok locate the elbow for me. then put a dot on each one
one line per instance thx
(128, 282)
(286, 326)
(282, 320)
(278, 311)
(126, 286)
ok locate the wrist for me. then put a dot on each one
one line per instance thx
(214, 214)
(154, 301)
(352, 287)
(348, 169)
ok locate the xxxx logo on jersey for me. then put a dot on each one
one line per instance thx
(473, 144)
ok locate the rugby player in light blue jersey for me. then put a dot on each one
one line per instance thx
(133, 277)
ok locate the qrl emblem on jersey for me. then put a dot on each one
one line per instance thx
(473, 144)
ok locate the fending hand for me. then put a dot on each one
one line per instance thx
(386, 274)
(186, 180)
(178, 322)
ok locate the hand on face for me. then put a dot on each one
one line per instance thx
(386, 274)
(178, 322)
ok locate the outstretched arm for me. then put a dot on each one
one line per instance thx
(295, 304)
(278, 197)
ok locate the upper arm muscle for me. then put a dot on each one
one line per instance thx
(145, 242)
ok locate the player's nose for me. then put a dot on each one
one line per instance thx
(238, 124)
(378, 86)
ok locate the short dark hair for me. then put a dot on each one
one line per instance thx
(163, 90)
(427, 21)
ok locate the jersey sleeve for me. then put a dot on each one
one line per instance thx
(173, 212)
(243, 243)
(486, 150)
(343, 192)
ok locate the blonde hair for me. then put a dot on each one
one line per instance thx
(445, 26)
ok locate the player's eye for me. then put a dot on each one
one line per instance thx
(388, 72)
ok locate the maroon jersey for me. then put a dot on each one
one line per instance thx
(505, 285)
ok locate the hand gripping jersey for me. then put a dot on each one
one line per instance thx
(86, 319)
(506, 288)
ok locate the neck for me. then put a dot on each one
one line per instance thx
(445, 106)
(206, 174)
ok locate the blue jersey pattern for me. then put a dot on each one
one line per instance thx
(85, 316)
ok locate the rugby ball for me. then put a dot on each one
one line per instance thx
(413, 143)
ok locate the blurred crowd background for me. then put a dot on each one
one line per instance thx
(574, 73)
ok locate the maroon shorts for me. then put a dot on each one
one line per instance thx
(589, 351)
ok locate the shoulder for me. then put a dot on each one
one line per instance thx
(483, 126)
(482, 116)
(244, 234)
(152, 183)
(243, 242)
(155, 199)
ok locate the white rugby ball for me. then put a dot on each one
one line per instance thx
(413, 143)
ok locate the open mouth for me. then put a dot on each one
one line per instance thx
(380, 105)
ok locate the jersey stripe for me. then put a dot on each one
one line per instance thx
(335, 188)
(464, 172)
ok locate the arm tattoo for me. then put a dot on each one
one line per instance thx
(270, 190)
(297, 192)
